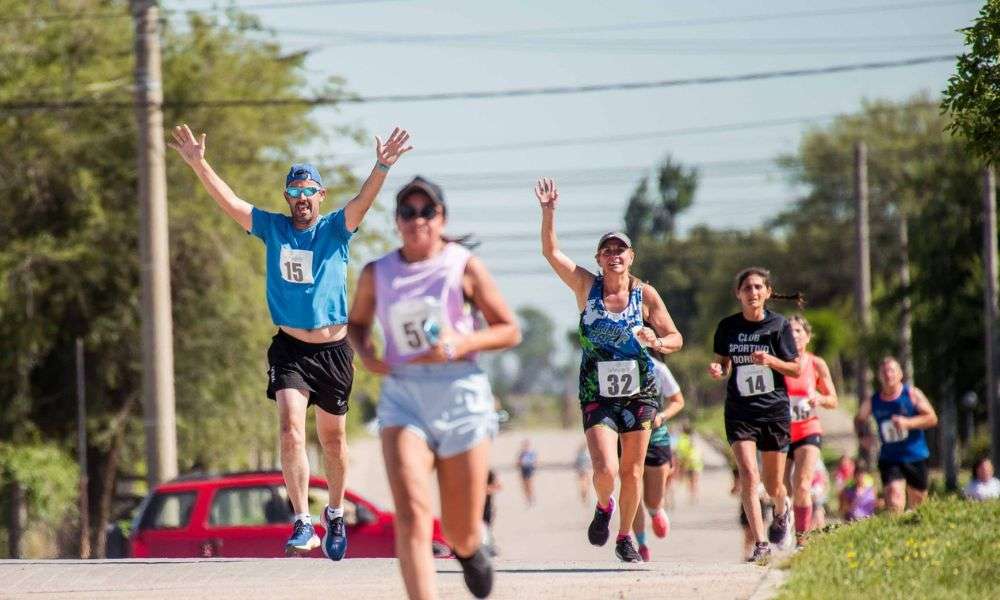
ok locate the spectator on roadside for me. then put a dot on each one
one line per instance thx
(983, 485)
(860, 496)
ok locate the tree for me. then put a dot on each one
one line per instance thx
(973, 93)
(536, 351)
(653, 214)
(68, 227)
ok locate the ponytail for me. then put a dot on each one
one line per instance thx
(467, 241)
(798, 297)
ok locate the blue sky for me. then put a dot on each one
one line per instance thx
(422, 46)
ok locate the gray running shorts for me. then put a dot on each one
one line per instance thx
(449, 405)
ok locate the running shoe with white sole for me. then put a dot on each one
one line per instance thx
(761, 553)
(661, 523)
(778, 530)
(598, 532)
(478, 572)
(303, 540)
(626, 552)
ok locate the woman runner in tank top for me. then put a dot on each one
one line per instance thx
(436, 409)
(901, 414)
(618, 393)
(754, 348)
(812, 389)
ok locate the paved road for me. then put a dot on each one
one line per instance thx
(544, 549)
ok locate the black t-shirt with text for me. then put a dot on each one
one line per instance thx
(755, 392)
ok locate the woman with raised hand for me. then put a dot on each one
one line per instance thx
(618, 390)
(436, 407)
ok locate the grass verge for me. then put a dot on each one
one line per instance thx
(947, 548)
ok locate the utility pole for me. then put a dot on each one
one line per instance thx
(906, 307)
(990, 306)
(863, 277)
(157, 325)
(81, 450)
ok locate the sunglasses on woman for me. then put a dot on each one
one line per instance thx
(407, 213)
(295, 192)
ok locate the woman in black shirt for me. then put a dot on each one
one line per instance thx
(755, 349)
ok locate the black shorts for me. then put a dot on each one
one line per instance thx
(915, 473)
(326, 371)
(527, 471)
(623, 416)
(809, 440)
(657, 456)
(770, 436)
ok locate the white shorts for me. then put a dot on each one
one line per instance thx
(449, 405)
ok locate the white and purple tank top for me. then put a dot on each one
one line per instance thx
(409, 295)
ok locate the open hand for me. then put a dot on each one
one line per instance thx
(394, 147)
(191, 149)
(547, 193)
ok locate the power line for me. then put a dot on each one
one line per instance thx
(42, 105)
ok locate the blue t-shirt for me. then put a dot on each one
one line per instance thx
(306, 269)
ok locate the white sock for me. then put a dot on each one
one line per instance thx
(333, 513)
(304, 517)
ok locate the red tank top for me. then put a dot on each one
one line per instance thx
(805, 422)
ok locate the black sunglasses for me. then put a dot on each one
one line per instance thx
(406, 212)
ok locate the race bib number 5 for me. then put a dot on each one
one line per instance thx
(754, 380)
(618, 378)
(407, 318)
(296, 265)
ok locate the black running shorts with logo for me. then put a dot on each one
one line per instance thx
(915, 473)
(622, 415)
(770, 436)
(325, 370)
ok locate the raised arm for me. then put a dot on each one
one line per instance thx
(663, 336)
(576, 277)
(192, 150)
(386, 155)
(360, 320)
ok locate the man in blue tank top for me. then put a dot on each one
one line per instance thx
(309, 360)
(902, 413)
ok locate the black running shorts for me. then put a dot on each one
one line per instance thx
(809, 440)
(915, 473)
(324, 370)
(770, 436)
(622, 416)
(657, 456)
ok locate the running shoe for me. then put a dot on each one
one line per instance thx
(303, 539)
(625, 551)
(644, 552)
(335, 538)
(778, 529)
(761, 553)
(800, 540)
(478, 572)
(598, 532)
(661, 524)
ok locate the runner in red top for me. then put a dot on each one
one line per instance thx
(811, 389)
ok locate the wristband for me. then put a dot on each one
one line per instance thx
(449, 350)
(381, 166)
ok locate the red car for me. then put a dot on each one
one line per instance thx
(248, 515)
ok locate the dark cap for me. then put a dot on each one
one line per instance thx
(614, 235)
(302, 172)
(419, 184)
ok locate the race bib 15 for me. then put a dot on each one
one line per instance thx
(296, 265)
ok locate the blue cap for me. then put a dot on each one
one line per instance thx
(301, 172)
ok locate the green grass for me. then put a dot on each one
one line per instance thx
(947, 548)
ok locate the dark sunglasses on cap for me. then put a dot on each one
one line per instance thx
(406, 212)
(295, 192)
